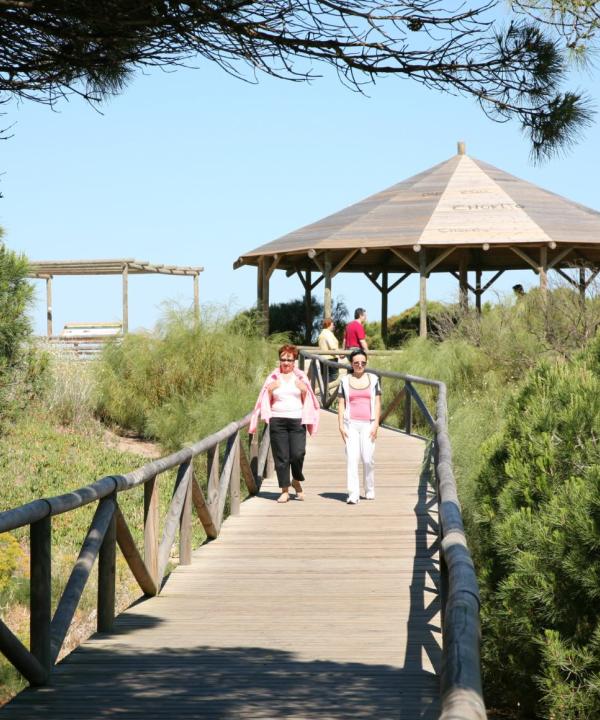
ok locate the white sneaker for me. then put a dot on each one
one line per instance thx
(351, 501)
(370, 494)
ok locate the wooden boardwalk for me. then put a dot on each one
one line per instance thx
(313, 609)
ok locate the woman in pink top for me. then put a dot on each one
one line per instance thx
(359, 410)
(289, 405)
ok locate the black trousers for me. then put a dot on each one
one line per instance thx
(288, 442)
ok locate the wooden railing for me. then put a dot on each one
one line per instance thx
(109, 528)
(461, 690)
(460, 678)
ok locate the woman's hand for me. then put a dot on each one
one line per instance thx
(273, 386)
(343, 433)
(301, 386)
(373, 433)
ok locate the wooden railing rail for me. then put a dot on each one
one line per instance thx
(461, 690)
(109, 529)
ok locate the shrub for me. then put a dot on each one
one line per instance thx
(536, 536)
(185, 380)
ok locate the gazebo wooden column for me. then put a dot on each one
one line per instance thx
(422, 293)
(543, 268)
(262, 294)
(327, 302)
(308, 314)
(463, 282)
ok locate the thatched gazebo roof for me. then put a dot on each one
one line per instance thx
(459, 216)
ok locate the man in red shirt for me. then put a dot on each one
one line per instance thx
(355, 336)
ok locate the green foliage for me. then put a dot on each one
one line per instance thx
(16, 295)
(536, 536)
(405, 327)
(185, 380)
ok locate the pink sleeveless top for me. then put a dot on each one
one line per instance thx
(359, 404)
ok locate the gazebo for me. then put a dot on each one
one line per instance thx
(461, 216)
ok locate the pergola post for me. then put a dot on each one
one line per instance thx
(384, 306)
(49, 305)
(327, 305)
(308, 307)
(478, 292)
(125, 299)
(196, 298)
(543, 269)
(422, 293)
(463, 292)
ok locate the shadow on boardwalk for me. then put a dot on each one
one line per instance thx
(111, 678)
(206, 682)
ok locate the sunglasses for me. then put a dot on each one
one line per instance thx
(359, 362)
(285, 360)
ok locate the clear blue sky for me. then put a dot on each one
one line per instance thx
(194, 167)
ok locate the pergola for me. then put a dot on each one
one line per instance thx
(461, 216)
(47, 269)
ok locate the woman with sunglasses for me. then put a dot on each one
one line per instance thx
(359, 410)
(288, 404)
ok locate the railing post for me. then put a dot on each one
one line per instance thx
(301, 361)
(107, 558)
(234, 496)
(151, 523)
(270, 464)
(40, 593)
(212, 483)
(407, 410)
(254, 455)
(326, 388)
(185, 521)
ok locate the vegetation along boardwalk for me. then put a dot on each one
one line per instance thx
(312, 609)
(302, 610)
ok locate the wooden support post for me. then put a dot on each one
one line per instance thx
(308, 308)
(582, 286)
(151, 528)
(327, 304)
(478, 291)
(212, 484)
(40, 592)
(407, 412)
(384, 306)
(422, 293)
(107, 559)
(270, 464)
(254, 456)
(196, 298)
(125, 299)
(262, 294)
(49, 305)
(543, 269)
(463, 283)
(234, 483)
(265, 297)
(185, 521)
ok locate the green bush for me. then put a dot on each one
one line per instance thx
(536, 537)
(185, 380)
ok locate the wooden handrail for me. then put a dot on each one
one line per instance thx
(461, 690)
(109, 528)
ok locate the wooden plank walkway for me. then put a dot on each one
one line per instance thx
(314, 609)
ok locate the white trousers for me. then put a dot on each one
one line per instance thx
(359, 446)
